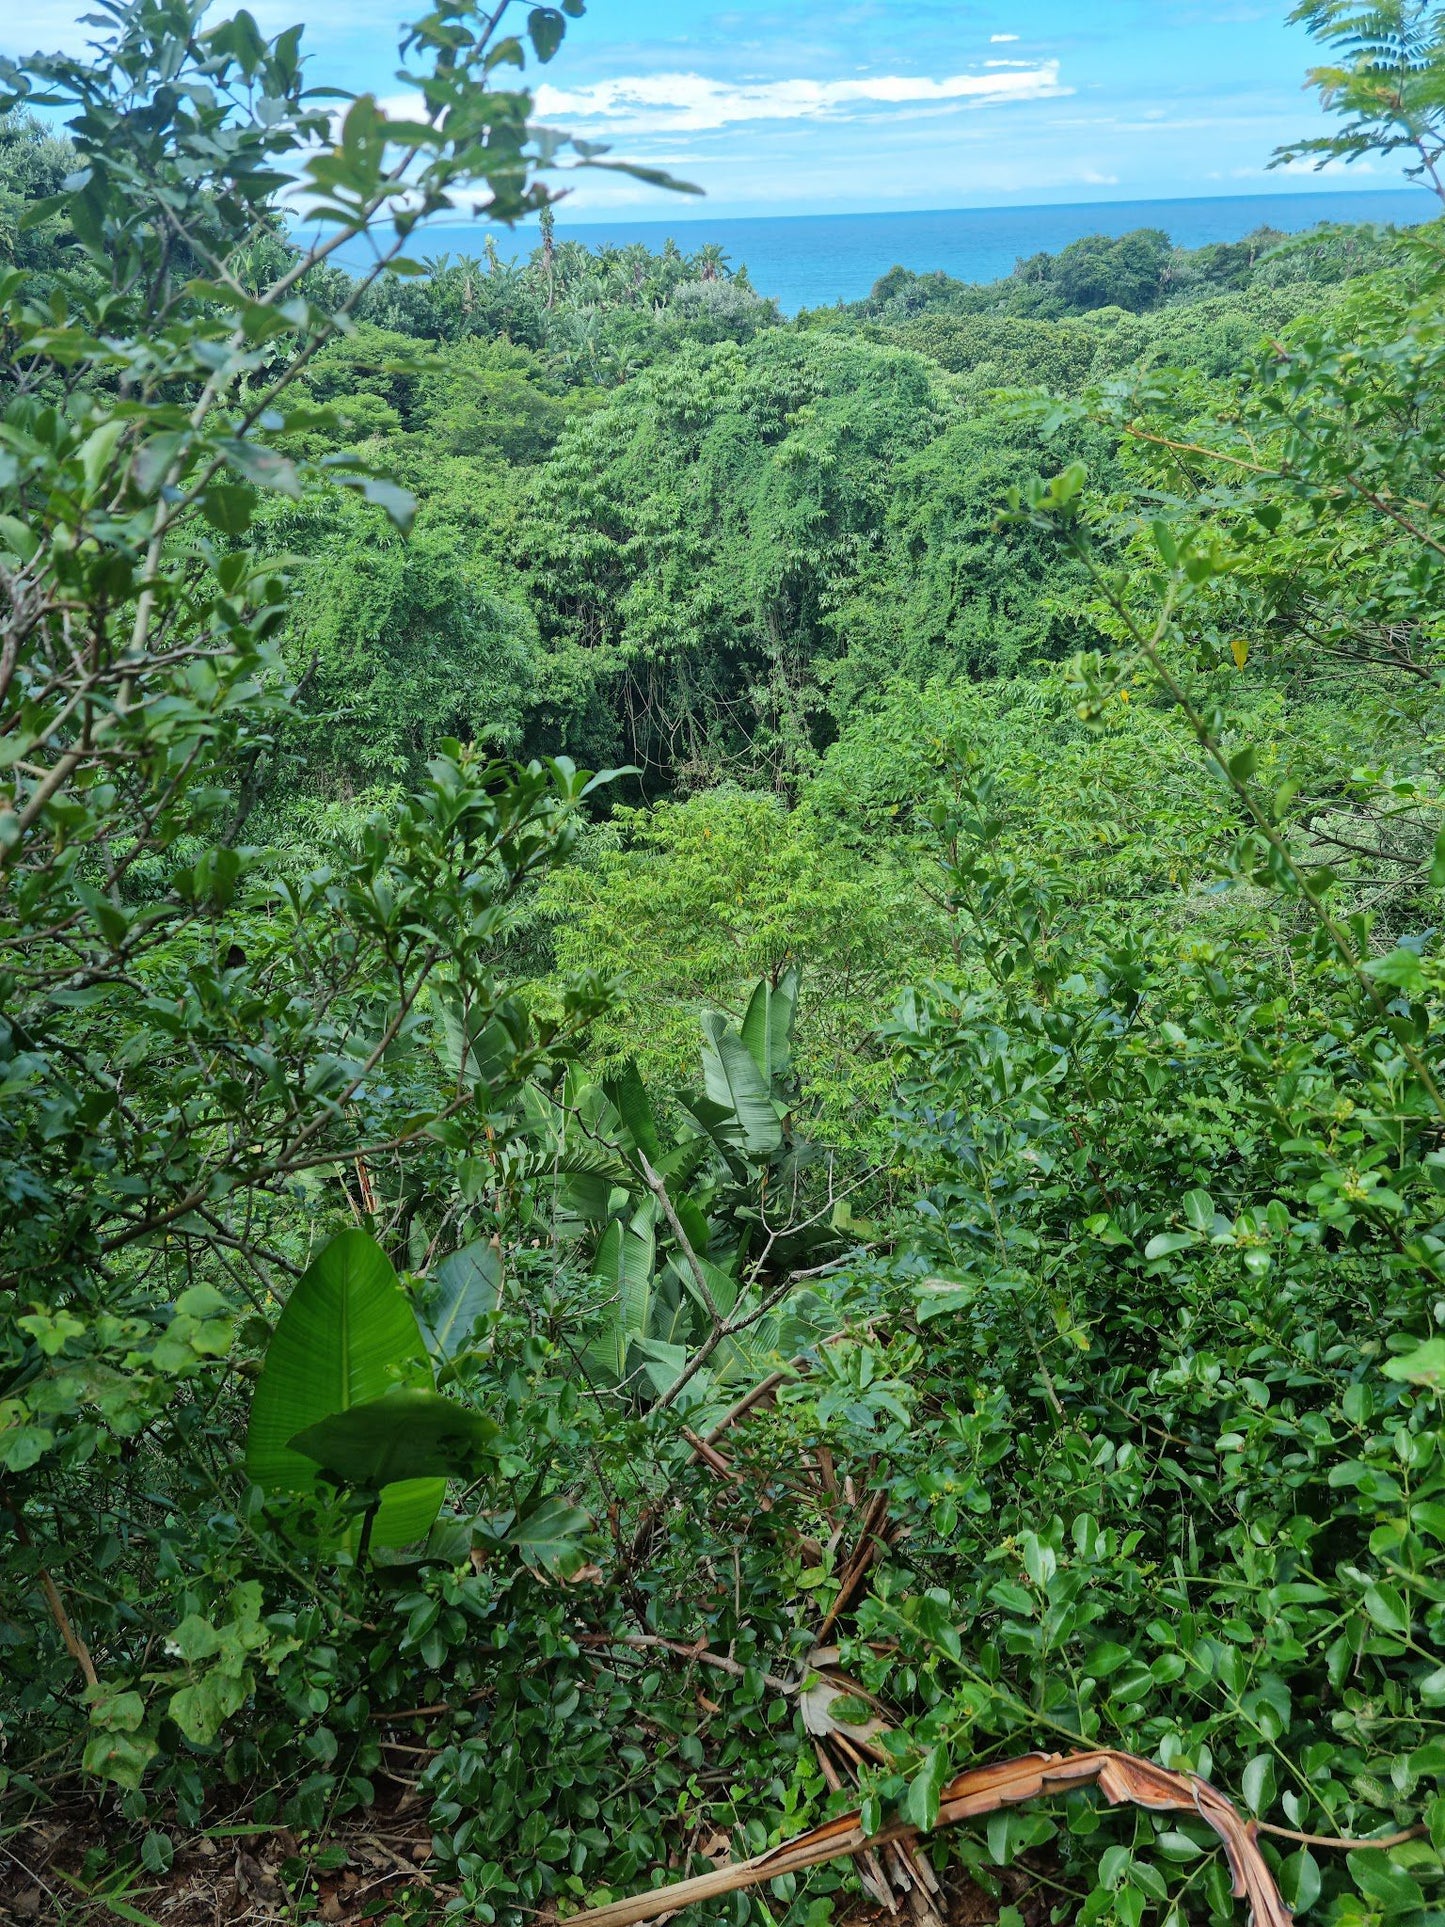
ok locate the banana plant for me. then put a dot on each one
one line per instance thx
(347, 1398)
(347, 1337)
(672, 1227)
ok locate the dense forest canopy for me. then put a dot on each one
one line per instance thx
(557, 1330)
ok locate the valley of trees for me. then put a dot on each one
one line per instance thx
(721, 1074)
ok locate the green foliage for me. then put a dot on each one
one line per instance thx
(460, 1293)
(690, 903)
(346, 1337)
(690, 1249)
(1109, 276)
(1388, 88)
(395, 645)
(689, 546)
(407, 1434)
(1005, 1018)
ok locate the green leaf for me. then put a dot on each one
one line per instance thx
(547, 1536)
(545, 28)
(624, 1266)
(398, 503)
(664, 1363)
(202, 1708)
(1165, 1243)
(722, 1286)
(478, 1045)
(1299, 1880)
(1401, 968)
(1257, 1783)
(121, 1757)
(1386, 1606)
(767, 1027)
(1437, 863)
(459, 1293)
(229, 507)
(17, 538)
(409, 1433)
(1424, 1366)
(1175, 1845)
(1198, 1210)
(627, 1094)
(1105, 1659)
(98, 451)
(348, 1334)
(263, 466)
(937, 1297)
(194, 1639)
(1392, 1889)
(157, 1852)
(736, 1086)
(925, 1790)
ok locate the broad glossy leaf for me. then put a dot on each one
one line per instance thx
(406, 1434)
(548, 1535)
(734, 1083)
(458, 1293)
(767, 1027)
(623, 1267)
(348, 1334)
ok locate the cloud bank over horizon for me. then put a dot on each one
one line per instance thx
(694, 103)
(798, 106)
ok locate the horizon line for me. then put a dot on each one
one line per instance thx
(993, 207)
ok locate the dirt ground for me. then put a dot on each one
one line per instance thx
(73, 1866)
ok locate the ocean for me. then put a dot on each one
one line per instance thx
(813, 260)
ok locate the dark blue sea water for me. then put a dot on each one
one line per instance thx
(812, 260)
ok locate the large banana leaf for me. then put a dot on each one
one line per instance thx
(458, 1294)
(479, 1047)
(592, 1181)
(664, 1364)
(408, 1433)
(669, 1316)
(576, 1146)
(734, 1084)
(722, 1287)
(624, 1266)
(348, 1334)
(629, 1099)
(768, 1025)
(549, 1536)
(589, 1110)
(679, 1166)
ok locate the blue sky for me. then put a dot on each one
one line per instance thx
(798, 106)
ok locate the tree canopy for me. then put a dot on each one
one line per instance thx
(558, 1331)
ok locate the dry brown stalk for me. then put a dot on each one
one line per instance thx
(73, 1643)
(1122, 1778)
(871, 1540)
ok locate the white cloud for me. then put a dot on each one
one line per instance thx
(51, 24)
(1001, 39)
(691, 103)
